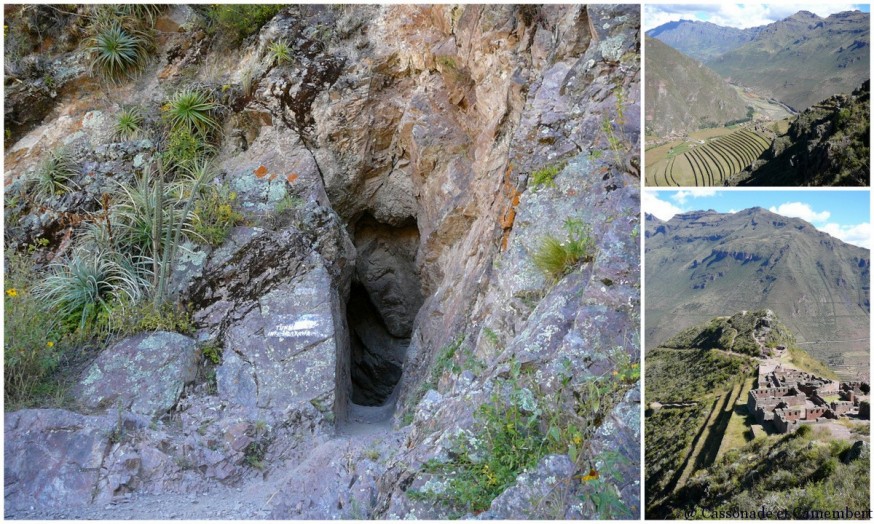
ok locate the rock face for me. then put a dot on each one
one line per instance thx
(287, 349)
(144, 374)
(52, 457)
(384, 285)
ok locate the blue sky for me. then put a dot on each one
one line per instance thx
(842, 214)
(740, 15)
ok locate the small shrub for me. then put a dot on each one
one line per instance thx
(184, 148)
(556, 258)
(213, 353)
(214, 215)
(54, 175)
(144, 316)
(31, 338)
(280, 52)
(129, 123)
(191, 109)
(238, 21)
(546, 176)
(118, 53)
(509, 443)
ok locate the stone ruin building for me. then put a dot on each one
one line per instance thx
(788, 398)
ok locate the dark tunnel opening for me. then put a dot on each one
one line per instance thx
(384, 299)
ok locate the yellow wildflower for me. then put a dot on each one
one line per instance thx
(592, 475)
(578, 439)
(12, 292)
(50, 344)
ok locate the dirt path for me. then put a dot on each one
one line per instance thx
(367, 428)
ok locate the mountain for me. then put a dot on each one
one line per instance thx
(802, 59)
(827, 144)
(702, 40)
(705, 264)
(683, 95)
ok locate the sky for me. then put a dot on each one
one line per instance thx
(740, 15)
(842, 214)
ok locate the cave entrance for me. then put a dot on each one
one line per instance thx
(383, 301)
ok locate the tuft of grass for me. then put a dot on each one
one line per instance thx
(54, 175)
(556, 258)
(546, 176)
(192, 110)
(117, 53)
(280, 52)
(129, 124)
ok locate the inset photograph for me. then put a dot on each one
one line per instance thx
(757, 95)
(757, 354)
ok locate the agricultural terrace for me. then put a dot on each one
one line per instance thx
(710, 163)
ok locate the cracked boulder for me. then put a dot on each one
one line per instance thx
(144, 374)
(285, 350)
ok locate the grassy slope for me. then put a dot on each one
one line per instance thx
(682, 95)
(798, 472)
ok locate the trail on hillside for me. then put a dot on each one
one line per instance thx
(368, 430)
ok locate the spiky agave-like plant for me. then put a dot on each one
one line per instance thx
(192, 109)
(54, 175)
(118, 53)
(129, 123)
(79, 289)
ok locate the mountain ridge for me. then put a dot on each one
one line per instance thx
(704, 264)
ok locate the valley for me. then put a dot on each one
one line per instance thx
(774, 72)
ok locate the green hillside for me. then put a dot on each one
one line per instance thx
(798, 473)
(802, 59)
(702, 40)
(702, 452)
(683, 95)
(827, 144)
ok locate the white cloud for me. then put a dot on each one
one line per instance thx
(698, 192)
(661, 209)
(737, 15)
(858, 235)
(800, 210)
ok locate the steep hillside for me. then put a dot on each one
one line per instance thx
(705, 264)
(827, 144)
(798, 473)
(683, 95)
(702, 40)
(322, 261)
(802, 59)
(705, 454)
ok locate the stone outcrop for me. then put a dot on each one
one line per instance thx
(143, 374)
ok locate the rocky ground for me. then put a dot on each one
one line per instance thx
(391, 180)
